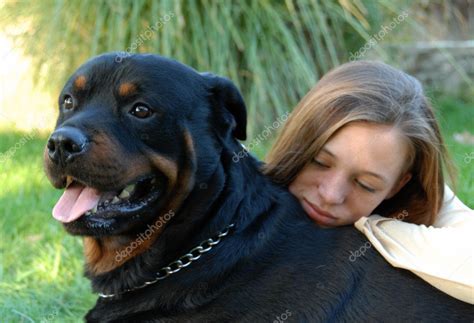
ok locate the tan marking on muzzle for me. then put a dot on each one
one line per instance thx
(107, 152)
(101, 255)
(168, 167)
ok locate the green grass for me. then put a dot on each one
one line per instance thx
(41, 266)
(457, 116)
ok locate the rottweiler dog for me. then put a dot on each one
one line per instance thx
(176, 229)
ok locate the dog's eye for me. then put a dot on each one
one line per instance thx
(141, 111)
(68, 103)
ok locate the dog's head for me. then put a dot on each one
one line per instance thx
(133, 137)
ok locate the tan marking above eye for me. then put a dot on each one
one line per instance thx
(126, 89)
(80, 83)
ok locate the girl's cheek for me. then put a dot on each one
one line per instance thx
(317, 176)
(292, 189)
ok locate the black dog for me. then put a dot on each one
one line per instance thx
(176, 230)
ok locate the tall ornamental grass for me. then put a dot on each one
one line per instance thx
(273, 50)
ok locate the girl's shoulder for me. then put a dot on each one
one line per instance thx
(454, 213)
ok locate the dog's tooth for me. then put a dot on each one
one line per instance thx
(124, 194)
(94, 210)
(127, 191)
(115, 200)
(130, 188)
(69, 181)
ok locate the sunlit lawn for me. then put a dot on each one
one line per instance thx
(41, 266)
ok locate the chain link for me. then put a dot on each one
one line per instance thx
(181, 262)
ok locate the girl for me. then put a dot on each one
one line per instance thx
(365, 141)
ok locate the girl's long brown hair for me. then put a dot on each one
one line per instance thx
(377, 93)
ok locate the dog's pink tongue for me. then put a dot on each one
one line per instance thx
(75, 201)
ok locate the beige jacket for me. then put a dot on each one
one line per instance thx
(441, 254)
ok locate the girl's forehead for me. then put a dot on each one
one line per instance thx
(366, 134)
(363, 147)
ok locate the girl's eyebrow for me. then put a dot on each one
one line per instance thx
(382, 178)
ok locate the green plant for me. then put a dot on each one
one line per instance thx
(273, 50)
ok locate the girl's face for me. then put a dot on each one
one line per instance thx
(358, 167)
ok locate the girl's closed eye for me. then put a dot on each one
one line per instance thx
(320, 163)
(365, 187)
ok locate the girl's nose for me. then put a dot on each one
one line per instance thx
(334, 191)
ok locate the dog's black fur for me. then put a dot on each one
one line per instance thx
(276, 264)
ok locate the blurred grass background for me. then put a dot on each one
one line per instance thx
(273, 50)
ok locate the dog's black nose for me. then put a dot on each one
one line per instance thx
(65, 144)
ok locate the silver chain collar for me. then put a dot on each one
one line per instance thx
(181, 262)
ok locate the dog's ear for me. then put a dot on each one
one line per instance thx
(228, 98)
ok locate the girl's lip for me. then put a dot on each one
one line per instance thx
(318, 210)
